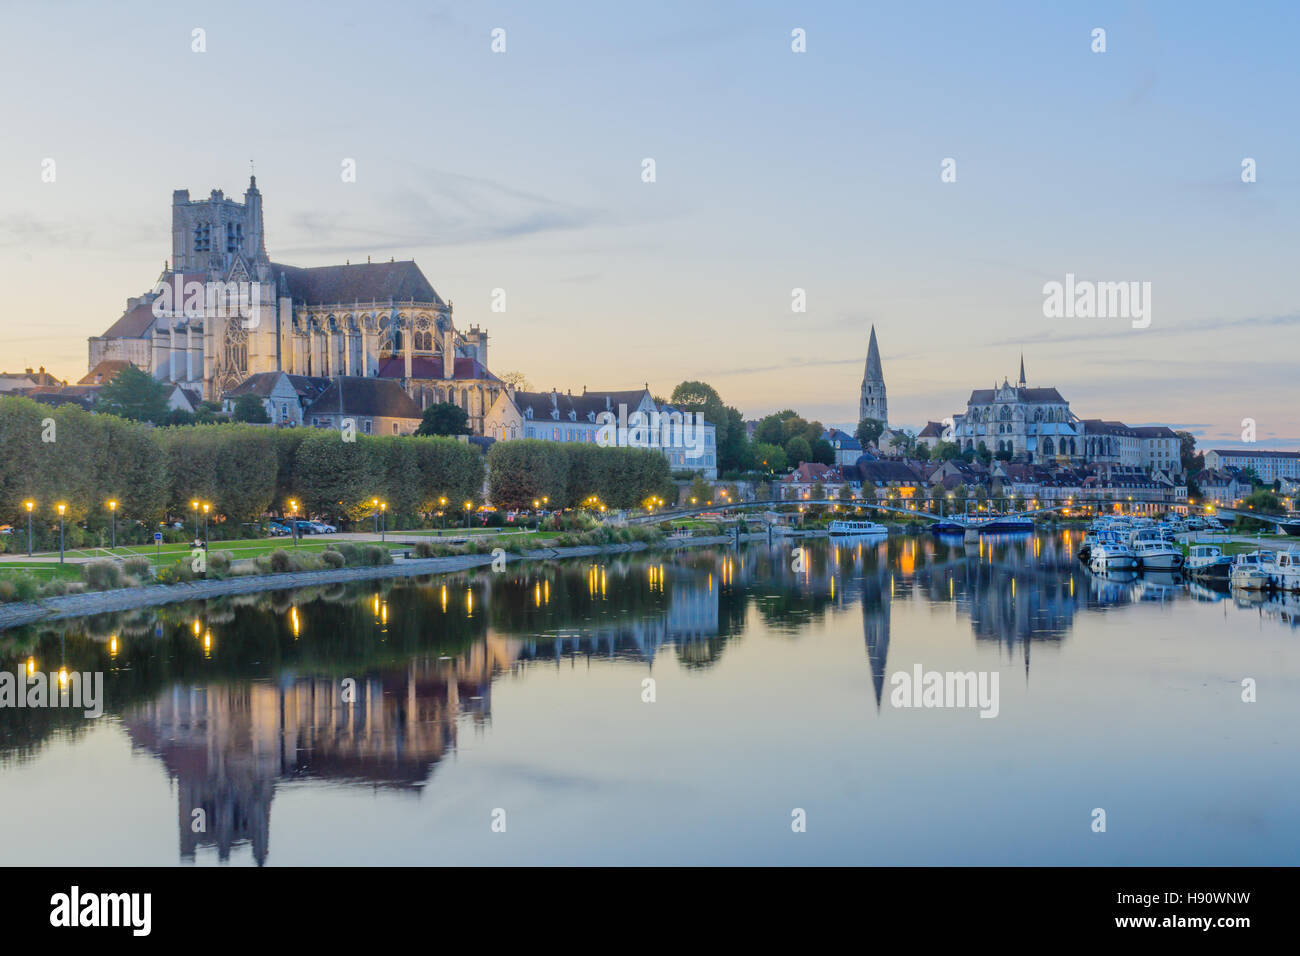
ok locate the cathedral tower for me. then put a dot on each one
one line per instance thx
(873, 403)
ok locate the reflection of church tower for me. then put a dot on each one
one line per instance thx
(873, 403)
(875, 629)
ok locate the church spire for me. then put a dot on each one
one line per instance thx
(1022, 369)
(874, 372)
(872, 402)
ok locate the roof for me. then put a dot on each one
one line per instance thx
(874, 372)
(847, 442)
(878, 471)
(372, 397)
(1027, 396)
(104, 372)
(813, 471)
(135, 323)
(1154, 431)
(589, 403)
(263, 384)
(1095, 426)
(431, 367)
(363, 282)
(931, 430)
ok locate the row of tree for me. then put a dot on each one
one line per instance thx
(67, 455)
(571, 475)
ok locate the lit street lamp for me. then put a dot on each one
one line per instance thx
(195, 506)
(442, 507)
(375, 503)
(112, 509)
(383, 527)
(206, 507)
(293, 519)
(29, 505)
(468, 506)
(62, 508)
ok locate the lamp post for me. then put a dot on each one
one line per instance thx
(468, 505)
(195, 505)
(293, 519)
(62, 508)
(206, 508)
(442, 509)
(29, 505)
(383, 527)
(112, 510)
(375, 514)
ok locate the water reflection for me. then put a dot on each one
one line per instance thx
(371, 686)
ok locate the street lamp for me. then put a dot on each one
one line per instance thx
(293, 519)
(442, 508)
(468, 506)
(375, 513)
(112, 509)
(206, 507)
(195, 506)
(62, 508)
(383, 528)
(29, 505)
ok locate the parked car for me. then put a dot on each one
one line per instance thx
(278, 529)
(319, 527)
(305, 527)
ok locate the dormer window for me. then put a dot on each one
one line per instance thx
(528, 412)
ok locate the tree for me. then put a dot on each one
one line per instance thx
(444, 418)
(947, 451)
(1187, 452)
(769, 458)
(822, 452)
(1251, 475)
(134, 394)
(869, 431)
(249, 408)
(798, 450)
(700, 490)
(922, 452)
(526, 470)
(518, 379)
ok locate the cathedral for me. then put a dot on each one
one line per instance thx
(222, 311)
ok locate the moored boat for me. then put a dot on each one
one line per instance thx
(842, 526)
(1253, 571)
(1208, 562)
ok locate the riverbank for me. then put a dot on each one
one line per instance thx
(126, 599)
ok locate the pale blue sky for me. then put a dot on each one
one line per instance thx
(775, 170)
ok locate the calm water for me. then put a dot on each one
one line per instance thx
(522, 692)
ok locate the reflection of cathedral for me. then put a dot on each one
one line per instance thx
(227, 745)
(379, 319)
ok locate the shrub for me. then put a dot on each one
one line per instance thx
(54, 588)
(102, 575)
(425, 549)
(280, 561)
(376, 555)
(8, 591)
(27, 587)
(219, 562)
(75, 587)
(138, 566)
(351, 552)
(332, 558)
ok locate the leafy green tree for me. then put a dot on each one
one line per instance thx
(947, 451)
(700, 490)
(338, 477)
(525, 470)
(444, 418)
(869, 431)
(769, 458)
(134, 394)
(249, 408)
(823, 452)
(798, 450)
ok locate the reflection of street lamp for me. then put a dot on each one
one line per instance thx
(112, 510)
(62, 508)
(29, 505)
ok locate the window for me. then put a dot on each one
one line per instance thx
(234, 236)
(366, 426)
(203, 237)
(394, 428)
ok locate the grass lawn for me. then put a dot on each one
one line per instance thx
(167, 553)
(45, 570)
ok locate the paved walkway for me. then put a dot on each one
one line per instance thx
(125, 599)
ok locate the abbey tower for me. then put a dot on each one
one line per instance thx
(873, 403)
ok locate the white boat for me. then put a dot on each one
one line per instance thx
(1285, 575)
(841, 526)
(1111, 554)
(1157, 555)
(1253, 571)
(1208, 561)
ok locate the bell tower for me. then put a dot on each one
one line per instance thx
(873, 403)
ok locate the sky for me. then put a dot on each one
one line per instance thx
(774, 170)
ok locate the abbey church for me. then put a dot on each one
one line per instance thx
(380, 320)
